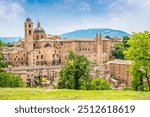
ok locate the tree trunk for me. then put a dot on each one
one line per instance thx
(141, 83)
(148, 81)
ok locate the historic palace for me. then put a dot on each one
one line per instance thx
(40, 55)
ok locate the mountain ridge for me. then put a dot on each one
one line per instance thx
(10, 39)
(91, 33)
(81, 33)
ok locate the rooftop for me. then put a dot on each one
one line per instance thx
(119, 61)
(21, 68)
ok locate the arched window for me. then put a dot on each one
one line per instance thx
(41, 36)
(29, 25)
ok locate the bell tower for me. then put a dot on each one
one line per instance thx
(28, 28)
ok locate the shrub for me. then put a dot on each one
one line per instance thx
(9, 80)
(99, 84)
(44, 79)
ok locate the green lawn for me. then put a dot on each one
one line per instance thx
(55, 94)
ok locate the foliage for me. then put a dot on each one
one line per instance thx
(120, 47)
(44, 79)
(75, 72)
(118, 50)
(2, 63)
(2, 44)
(9, 80)
(100, 84)
(139, 52)
(125, 41)
(10, 44)
(108, 37)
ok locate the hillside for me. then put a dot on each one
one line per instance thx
(83, 33)
(91, 33)
(9, 39)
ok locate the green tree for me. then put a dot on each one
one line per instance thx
(9, 80)
(2, 61)
(120, 47)
(118, 50)
(2, 44)
(10, 44)
(108, 37)
(139, 52)
(75, 72)
(125, 41)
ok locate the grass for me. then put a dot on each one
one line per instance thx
(55, 94)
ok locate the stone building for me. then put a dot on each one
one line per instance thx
(38, 51)
(120, 71)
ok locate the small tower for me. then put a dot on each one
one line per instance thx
(28, 27)
(100, 38)
(99, 48)
(96, 38)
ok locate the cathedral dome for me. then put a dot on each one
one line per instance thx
(28, 19)
(39, 29)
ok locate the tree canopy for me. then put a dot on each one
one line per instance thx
(2, 44)
(2, 62)
(108, 37)
(139, 52)
(120, 47)
(75, 72)
(118, 50)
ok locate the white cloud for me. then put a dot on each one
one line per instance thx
(11, 18)
(127, 15)
(10, 11)
(84, 6)
(130, 15)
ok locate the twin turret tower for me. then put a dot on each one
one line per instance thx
(99, 48)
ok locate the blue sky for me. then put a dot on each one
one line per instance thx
(60, 16)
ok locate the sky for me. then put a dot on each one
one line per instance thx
(61, 16)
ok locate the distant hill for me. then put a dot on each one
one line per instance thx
(9, 39)
(83, 33)
(91, 33)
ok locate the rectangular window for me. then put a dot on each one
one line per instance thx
(29, 32)
(41, 56)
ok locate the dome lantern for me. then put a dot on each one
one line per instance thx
(39, 29)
